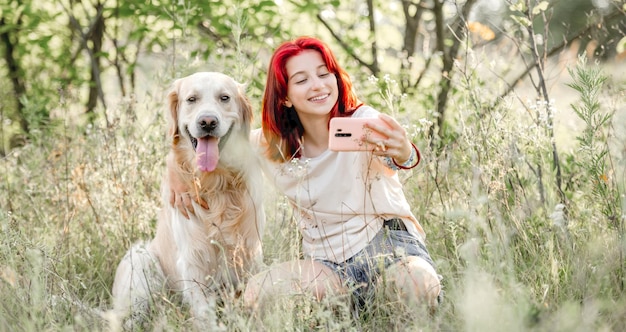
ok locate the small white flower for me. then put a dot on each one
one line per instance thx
(558, 216)
(425, 122)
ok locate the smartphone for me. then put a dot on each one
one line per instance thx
(346, 134)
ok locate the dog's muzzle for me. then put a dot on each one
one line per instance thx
(206, 126)
(208, 143)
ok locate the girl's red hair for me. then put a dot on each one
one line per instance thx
(281, 126)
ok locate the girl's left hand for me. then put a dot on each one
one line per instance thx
(397, 144)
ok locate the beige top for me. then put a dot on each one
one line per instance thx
(340, 203)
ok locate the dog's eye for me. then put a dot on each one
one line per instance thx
(191, 99)
(224, 98)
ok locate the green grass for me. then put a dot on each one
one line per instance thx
(74, 200)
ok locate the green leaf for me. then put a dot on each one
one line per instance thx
(519, 6)
(523, 21)
(541, 7)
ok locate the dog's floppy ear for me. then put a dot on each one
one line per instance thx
(173, 103)
(245, 107)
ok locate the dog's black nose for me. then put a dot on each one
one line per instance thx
(207, 123)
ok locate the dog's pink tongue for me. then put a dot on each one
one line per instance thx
(207, 154)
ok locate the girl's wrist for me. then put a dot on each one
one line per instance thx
(413, 160)
(405, 157)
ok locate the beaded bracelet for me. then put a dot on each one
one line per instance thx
(415, 153)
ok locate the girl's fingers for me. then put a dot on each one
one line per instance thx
(396, 144)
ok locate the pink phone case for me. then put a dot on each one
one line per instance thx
(346, 134)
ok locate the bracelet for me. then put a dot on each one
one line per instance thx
(414, 153)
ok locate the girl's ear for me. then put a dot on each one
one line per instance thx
(287, 103)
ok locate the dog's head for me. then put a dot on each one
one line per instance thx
(206, 109)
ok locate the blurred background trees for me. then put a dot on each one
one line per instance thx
(95, 51)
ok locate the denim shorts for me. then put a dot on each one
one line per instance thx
(390, 245)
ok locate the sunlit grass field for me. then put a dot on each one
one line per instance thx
(517, 252)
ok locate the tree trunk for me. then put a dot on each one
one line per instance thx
(448, 56)
(15, 72)
(410, 40)
(96, 37)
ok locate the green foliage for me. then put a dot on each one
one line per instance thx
(593, 157)
(565, 22)
(24, 43)
(64, 35)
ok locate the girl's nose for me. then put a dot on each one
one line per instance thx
(317, 82)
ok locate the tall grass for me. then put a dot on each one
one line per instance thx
(514, 256)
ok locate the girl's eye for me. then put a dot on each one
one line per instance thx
(301, 81)
(324, 75)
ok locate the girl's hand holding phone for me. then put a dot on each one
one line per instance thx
(395, 143)
(383, 135)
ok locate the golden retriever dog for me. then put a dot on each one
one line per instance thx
(218, 247)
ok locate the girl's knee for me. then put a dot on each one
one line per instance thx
(258, 287)
(304, 278)
(415, 280)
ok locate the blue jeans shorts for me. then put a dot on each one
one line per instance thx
(390, 245)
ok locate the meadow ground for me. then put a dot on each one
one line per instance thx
(517, 252)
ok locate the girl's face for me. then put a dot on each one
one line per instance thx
(311, 88)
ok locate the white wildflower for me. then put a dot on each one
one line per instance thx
(558, 216)
(425, 123)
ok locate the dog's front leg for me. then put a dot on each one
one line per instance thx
(193, 274)
(196, 294)
(138, 277)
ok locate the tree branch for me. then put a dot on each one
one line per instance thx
(552, 52)
(96, 23)
(371, 66)
(410, 39)
(445, 84)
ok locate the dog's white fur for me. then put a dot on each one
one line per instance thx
(217, 247)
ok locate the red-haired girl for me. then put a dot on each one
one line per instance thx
(350, 207)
